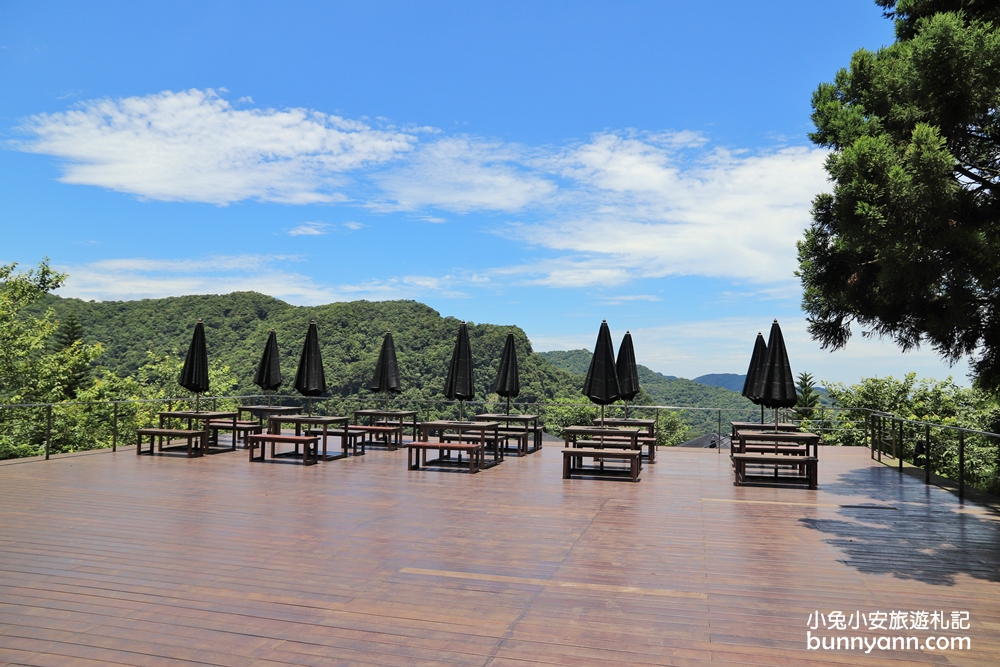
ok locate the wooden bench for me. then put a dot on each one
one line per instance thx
(243, 428)
(310, 445)
(169, 433)
(807, 466)
(391, 435)
(473, 449)
(633, 456)
(349, 441)
(520, 438)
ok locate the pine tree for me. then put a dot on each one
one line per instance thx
(807, 399)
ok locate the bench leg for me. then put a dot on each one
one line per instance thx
(635, 467)
(566, 460)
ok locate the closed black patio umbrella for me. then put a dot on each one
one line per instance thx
(268, 376)
(776, 384)
(386, 376)
(601, 385)
(508, 380)
(459, 384)
(194, 373)
(310, 380)
(628, 374)
(753, 372)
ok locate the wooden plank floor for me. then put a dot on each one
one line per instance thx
(113, 559)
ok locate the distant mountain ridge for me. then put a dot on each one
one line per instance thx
(730, 381)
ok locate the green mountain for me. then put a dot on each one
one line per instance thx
(237, 324)
(730, 381)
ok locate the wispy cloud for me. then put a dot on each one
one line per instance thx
(462, 174)
(352, 225)
(309, 229)
(144, 278)
(617, 206)
(194, 146)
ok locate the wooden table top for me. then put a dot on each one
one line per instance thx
(782, 436)
(757, 426)
(456, 425)
(596, 430)
(306, 419)
(269, 409)
(197, 414)
(506, 418)
(616, 421)
(385, 413)
(112, 560)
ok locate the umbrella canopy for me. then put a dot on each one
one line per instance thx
(194, 374)
(754, 370)
(776, 385)
(268, 376)
(459, 384)
(508, 379)
(386, 377)
(628, 374)
(310, 379)
(601, 385)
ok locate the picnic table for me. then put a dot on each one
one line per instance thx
(524, 426)
(318, 423)
(263, 411)
(392, 428)
(787, 449)
(210, 434)
(600, 443)
(469, 436)
(757, 426)
(648, 439)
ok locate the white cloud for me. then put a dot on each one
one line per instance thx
(309, 229)
(351, 224)
(143, 278)
(462, 174)
(193, 146)
(640, 211)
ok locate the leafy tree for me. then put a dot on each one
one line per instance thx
(807, 397)
(906, 245)
(31, 370)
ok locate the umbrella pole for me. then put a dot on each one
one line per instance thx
(310, 403)
(197, 403)
(508, 406)
(461, 413)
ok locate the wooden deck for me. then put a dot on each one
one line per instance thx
(114, 559)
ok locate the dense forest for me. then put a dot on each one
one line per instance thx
(237, 324)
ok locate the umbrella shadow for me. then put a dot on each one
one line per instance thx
(910, 531)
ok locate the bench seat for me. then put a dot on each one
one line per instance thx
(420, 448)
(168, 433)
(807, 466)
(310, 445)
(633, 456)
(243, 429)
(351, 441)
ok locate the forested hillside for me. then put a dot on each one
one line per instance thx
(236, 327)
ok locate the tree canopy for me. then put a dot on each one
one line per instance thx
(906, 245)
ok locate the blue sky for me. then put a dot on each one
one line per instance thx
(545, 164)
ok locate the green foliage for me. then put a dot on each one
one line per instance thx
(933, 401)
(807, 398)
(906, 243)
(30, 369)
(563, 412)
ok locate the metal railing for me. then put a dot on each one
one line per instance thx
(967, 457)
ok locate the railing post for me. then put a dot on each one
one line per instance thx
(114, 427)
(868, 434)
(718, 437)
(961, 465)
(927, 453)
(48, 430)
(899, 446)
(878, 430)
